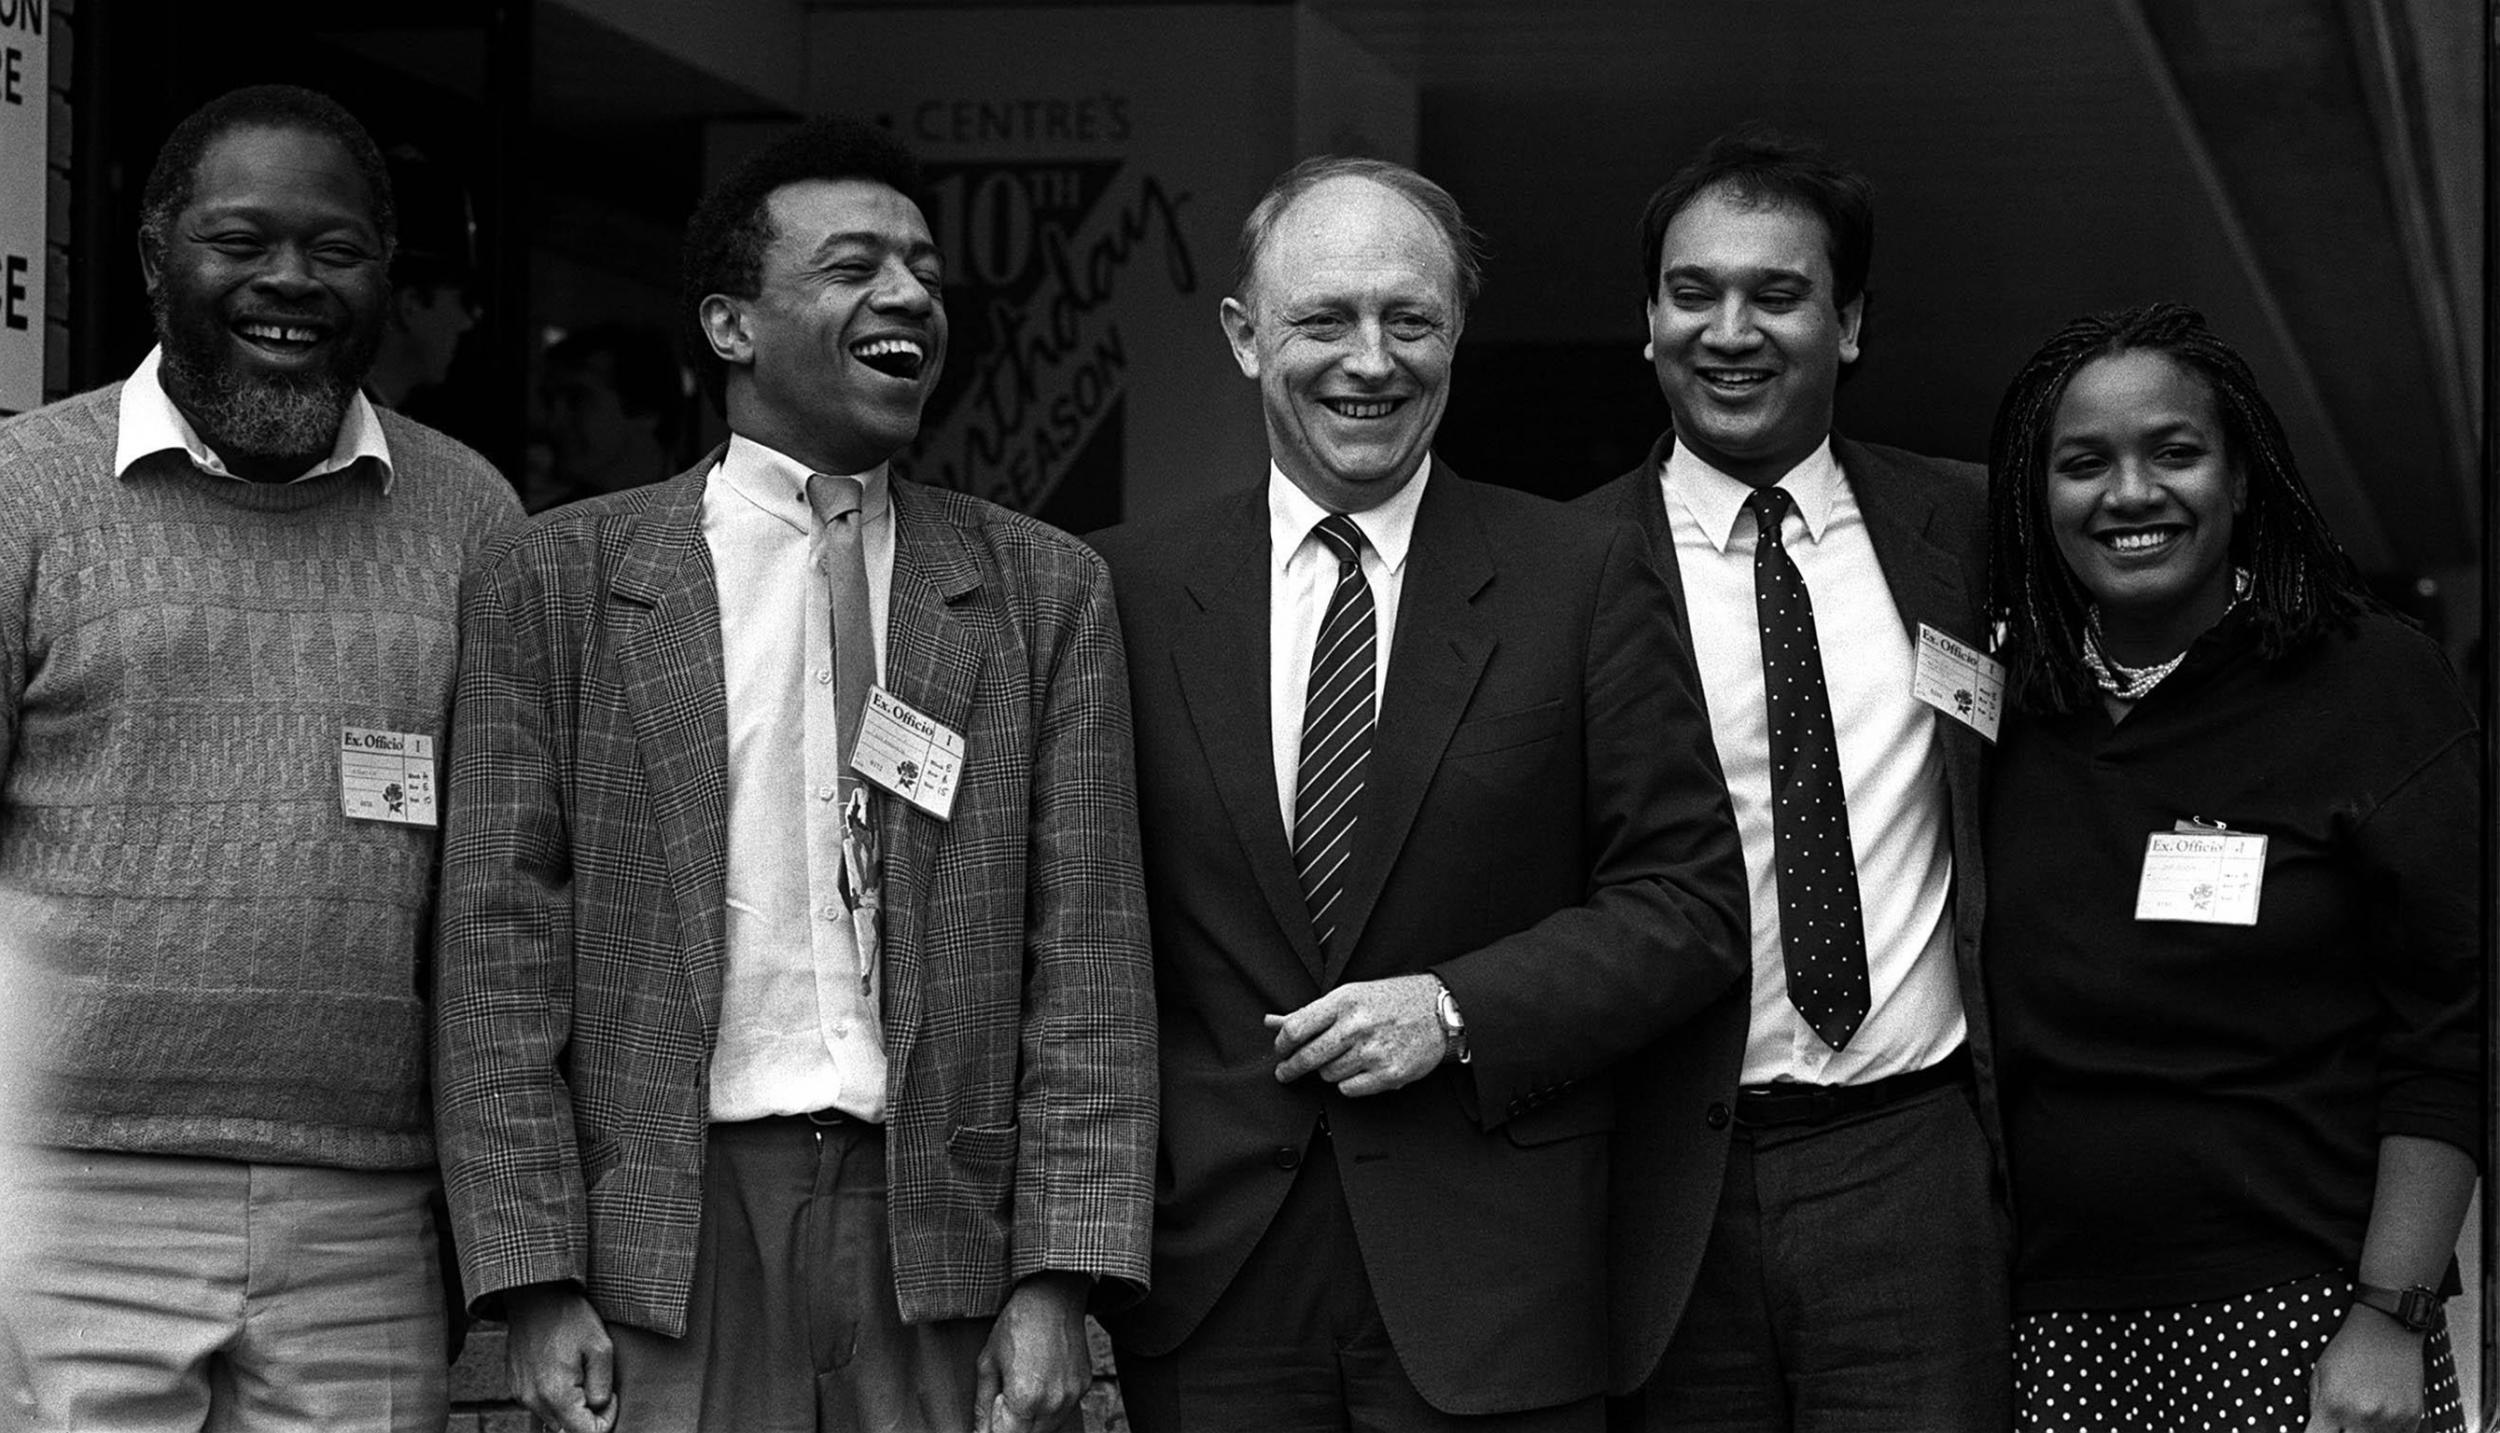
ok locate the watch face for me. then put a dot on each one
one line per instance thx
(2416, 1307)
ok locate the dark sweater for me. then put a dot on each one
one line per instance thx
(2193, 1111)
(222, 964)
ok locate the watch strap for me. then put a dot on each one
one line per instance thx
(2413, 1308)
(1453, 1026)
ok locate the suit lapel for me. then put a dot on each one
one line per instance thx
(669, 664)
(1943, 589)
(932, 661)
(1435, 659)
(1222, 662)
(1645, 503)
(1927, 581)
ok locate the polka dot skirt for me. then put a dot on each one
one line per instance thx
(2239, 1364)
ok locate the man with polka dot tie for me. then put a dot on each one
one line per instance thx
(1855, 1273)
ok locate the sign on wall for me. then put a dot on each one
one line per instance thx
(1089, 169)
(1039, 255)
(1081, 253)
(25, 152)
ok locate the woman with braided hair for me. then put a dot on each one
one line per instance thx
(2232, 939)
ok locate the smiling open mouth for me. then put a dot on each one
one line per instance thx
(2140, 539)
(1362, 407)
(278, 337)
(893, 357)
(1735, 380)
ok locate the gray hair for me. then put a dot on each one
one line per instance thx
(1466, 246)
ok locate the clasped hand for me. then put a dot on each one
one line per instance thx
(1030, 1376)
(1367, 1038)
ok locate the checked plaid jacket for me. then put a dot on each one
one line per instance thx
(582, 914)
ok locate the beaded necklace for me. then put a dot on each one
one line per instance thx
(2129, 684)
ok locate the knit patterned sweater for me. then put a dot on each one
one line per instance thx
(222, 964)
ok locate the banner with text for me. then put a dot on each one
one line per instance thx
(1089, 169)
(25, 152)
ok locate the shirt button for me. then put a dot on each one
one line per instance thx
(1717, 1116)
(823, 677)
(827, 792)
(1287, 1157)
(831, 913)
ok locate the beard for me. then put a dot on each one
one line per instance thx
(247, 413)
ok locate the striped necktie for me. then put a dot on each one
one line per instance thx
(1337, 721)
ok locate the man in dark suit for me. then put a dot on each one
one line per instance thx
(1856, 1274)
(770, 1098)
(1437, 851)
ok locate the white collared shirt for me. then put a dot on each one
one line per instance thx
(150, 423)
(1302, 572)
(1891, 765)
(797, 1034)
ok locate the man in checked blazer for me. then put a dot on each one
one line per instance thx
(1439, 858)
(771, 1101)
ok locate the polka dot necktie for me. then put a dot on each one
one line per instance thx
(1821, 929)
(1337, 721)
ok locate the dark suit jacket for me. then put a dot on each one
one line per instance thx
(1928, 520)
(1546, 829)
(582, 912)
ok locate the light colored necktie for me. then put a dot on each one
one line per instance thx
(844, 556)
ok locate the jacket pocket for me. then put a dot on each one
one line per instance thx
(600, 1158)
(1591, 1110)
(982, 1144)
(1479, 735)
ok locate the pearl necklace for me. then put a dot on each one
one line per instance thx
(2129, 684)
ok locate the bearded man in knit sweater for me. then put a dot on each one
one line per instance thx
(228, 591)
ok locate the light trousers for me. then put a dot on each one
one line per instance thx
(162, 1294)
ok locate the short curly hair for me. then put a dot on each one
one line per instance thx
(730, 229)
(176, 175)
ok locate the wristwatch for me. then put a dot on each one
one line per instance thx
(2412, 1308)
(1453, 1027)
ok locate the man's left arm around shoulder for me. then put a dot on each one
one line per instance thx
(1662, 932)
(1086, 1098)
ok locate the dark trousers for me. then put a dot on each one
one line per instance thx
(793, 1325)
(1855, 1282)
(1296, 1343)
